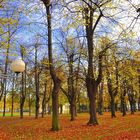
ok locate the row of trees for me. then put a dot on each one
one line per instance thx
(85, 53)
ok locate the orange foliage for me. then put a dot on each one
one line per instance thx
(120, 128)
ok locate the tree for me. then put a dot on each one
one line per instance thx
(13, 94)
(100, 98)
(45, 85)
(92, 83)
(23, 82)
(56, 79)
(37, 81)
(112, 79)
(9, 26)
(72, 49)
(123, 95)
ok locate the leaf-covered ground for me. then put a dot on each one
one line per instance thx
(120, 128)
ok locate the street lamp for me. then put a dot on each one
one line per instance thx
(18, 66)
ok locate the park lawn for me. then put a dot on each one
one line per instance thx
(8, 114)
(120, 128)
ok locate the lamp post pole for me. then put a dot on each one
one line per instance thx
(17, 66)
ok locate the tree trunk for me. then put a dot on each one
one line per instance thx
(131, 107)
(72, 110)
(100, 99)
(5, 71)
(43, 110)
(5, 81)
(139, 104)
(131, 101)
(23, 86)
(56, 80)
(29, 105)
(123, 105)
(36, 84)
(71, 90)
(111, 93)
(61, 109)
(13, 94)
(22, 97)
(49, 109)
(91, 82)
(12, 106)
(2, 89)
(44, 100)
(75, 110)
(116, 106)
(37, 106)
(123, 102)
(92, 90)
(21, 106)
(55, 105)
(134, 103)
(112, 105)
(4, 104)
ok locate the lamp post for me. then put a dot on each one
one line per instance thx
(17, 66)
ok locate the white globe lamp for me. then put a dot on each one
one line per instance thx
(18, 66)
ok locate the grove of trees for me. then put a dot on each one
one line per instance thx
(84, 53)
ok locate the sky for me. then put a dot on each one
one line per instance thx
(31, 14)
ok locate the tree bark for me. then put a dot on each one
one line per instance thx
(71, 91)
(112, 105)
(139, 104)
(112, 96)
(61, 109)
(29, 104)
(91, 82)
(2, 89)
(22, 97)
(5, 70)
(55, 105)
(92, 103)
(36, 84)
(5, 81)
(131, 98)
(23, 85)
(72, 110)
(123, 105)
(44, 100)
(100, 99)
(56, 80)
(13, 94)
(131, 107)
(131, 101)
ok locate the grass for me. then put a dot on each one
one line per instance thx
(14, 114)
(9, 114)
(29, 128)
